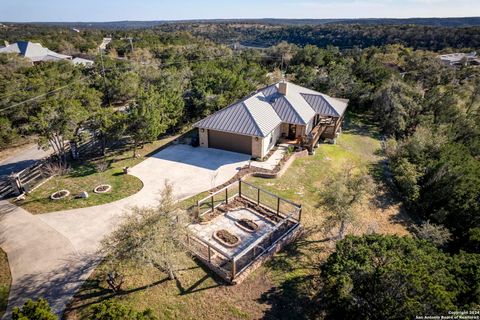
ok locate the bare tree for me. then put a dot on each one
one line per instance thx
(342, 193)
(435, 234)
(152, 236)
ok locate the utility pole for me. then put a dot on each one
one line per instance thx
(131, 42)
(103, 75)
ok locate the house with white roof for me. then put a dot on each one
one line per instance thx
(35, 52)
(459, 58)
(283, 111)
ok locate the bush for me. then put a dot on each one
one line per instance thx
(112, 310)
(34, 310)
(391, 277)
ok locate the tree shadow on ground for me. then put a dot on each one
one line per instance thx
(290, 300)
(198, 285)
(361, 124)
(82, 170)
(288, 260)
(387, 194)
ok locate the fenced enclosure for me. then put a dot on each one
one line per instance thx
(284, 216)
(255, 195)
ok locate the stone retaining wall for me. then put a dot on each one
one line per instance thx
(286, 165)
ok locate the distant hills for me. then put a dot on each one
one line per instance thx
(441, 22)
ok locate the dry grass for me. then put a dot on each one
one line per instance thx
(281, 287)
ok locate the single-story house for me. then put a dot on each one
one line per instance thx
(35, 52)
(459, 58)
(83, 62)
(283, 111)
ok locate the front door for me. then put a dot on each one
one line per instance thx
(292, 131)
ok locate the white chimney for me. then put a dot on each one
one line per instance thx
(282, 88)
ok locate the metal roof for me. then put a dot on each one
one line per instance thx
(33, 51)
(325, 105)
(260, 113)
(252, 117)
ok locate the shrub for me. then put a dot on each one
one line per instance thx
(34, 310)
(391, 277)
(112, 310)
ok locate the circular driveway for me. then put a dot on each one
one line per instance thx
(75, 234)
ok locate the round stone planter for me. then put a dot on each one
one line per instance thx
(103, 188)
(247, 225)
(226, 238)
(59, 195)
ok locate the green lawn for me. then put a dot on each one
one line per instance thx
(279, 288)
(85, 177)
(5, 281)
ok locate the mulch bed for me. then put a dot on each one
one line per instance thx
(227, 237)
(248, 224)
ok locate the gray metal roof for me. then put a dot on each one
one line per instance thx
(324, 105)
(252, 117)
(260, 113)
(33, 51)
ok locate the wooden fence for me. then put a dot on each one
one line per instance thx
(256, 195)
(32, 177)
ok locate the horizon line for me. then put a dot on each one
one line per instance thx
(247, 19)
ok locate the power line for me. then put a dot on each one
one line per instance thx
(129, 68)
(43, 94)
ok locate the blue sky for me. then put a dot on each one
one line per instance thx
(113, 10)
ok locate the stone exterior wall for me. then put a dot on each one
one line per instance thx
(203, 137)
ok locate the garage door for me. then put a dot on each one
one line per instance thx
(229, 141)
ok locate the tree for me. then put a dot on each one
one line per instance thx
(7, 133)
(389, 277)
(398, 107)
(112, 310)
(122, 86)
(108, 125)
(154, 111)
(61, 117)
(34, 310)
(151, 236)
(341, 196)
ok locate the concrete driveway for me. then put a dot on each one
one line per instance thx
(22, 160)
(52, 254)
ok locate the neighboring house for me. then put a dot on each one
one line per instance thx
(34, 52)
(280, 112)
(104, 44)
(84, 62)
(453, 59)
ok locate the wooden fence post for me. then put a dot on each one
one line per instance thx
(226, 195)
(240, 188)
(213, 205)
(258, 196)
(278, 206)
(234, 269)
(209, 255)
